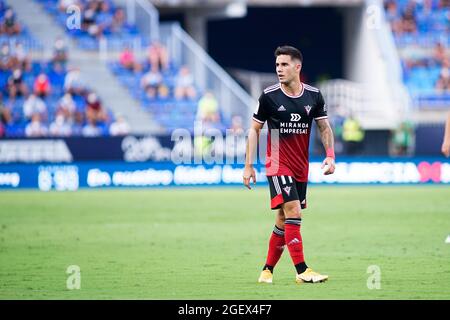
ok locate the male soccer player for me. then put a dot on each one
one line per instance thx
(446, 143)
(289, 108)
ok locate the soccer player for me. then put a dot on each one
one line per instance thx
(289, 108)
(446, 143)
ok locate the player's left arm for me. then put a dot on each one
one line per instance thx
(446, 143)
(327, 137)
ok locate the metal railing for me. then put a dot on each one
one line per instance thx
(209, 76)
(364, 102)
(391, 58)
(145, 16)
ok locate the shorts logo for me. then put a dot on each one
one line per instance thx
(308, 109)
(295, 117)
(281, 108)
(287, 190)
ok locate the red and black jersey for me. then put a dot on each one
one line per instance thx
(289, 119)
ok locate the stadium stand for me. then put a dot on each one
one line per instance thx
(42, 97)
(14, 32)
(168, 93)
(100, 20)
(421, 31)
(173, 101)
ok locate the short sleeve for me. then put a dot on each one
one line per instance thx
(261, 113)
(320, 111)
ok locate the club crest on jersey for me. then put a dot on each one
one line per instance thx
(287, 189)
(308, 109)
(295, 117)
(281, 108)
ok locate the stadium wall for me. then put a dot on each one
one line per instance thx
(114, 174)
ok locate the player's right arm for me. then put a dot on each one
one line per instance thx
(252, 143)
(260, 116)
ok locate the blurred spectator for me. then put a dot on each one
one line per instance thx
(7, 60)
(184, 84)
(439, 53)
(60, 127)
(41, 86)
(77, 126)
(118, 21)
(63, 5)
(150, 83)
(16, 85)
(158, 57)
(409, 24)
(443, 83)
(73, 82)
(128, 60)
(119, 127)
(67, 106)
(104, 18)
(403, 139)
(60, 54)
(23, 59)
(208, 108)
(88, 21)
(5, 117)
(91, 129)
(34, 105)
(57, 73)
(352, 135)
(392, 16)
(35, 128)
(391, 10)
(9, 24)
(163, 92)
(237, 125)
(94, 109)
(444, 4)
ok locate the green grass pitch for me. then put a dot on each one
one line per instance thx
(211, 243)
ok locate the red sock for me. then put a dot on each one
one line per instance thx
(293, 240)
(276, 247)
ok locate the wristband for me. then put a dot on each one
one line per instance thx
(330, 153)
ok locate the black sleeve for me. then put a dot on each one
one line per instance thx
(261, 113)
(320, 110)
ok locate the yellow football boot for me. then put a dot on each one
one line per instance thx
(265, 277)
(310, 276)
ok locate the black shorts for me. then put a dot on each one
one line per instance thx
(284, 189)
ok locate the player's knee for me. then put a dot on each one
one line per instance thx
(281, 217)
(292, 209)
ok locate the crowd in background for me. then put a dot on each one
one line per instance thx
(99, 17)
(44, 98)
(415, 20)
(160, 83)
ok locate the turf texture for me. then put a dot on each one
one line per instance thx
(211, 243)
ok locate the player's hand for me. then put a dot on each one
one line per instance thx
(249, 174)
(446, 148)
(329, 163)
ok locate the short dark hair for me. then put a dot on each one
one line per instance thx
(294, 53)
